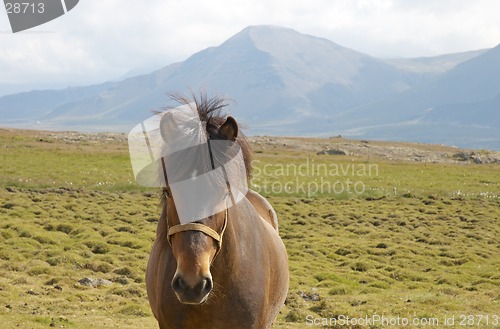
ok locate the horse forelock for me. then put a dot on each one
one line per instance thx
(212, 115)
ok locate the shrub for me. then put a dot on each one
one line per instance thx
(337, 291)
(359, 267)
(97, 247)
(65, 228)
(39, 270)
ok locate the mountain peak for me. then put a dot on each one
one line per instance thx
(271, 36)
(255, 30)
(267, 28)
(291, 49)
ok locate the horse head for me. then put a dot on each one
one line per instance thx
(194, 250)
(195, 245)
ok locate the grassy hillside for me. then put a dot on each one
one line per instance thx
(366, 235)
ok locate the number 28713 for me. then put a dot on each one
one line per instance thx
(25, 8)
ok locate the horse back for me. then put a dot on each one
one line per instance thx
(263, 208)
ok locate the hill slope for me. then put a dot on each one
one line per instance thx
(460, 106)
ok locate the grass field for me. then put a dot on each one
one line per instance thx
(366, 237)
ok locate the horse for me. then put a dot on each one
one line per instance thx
(228, 270)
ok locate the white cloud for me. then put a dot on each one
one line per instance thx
(101, 40)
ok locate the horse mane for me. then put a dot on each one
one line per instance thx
(211, 112)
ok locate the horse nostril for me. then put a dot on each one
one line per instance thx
(207, 285)
(179, 284)
(188, 292)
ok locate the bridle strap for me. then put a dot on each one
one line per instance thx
(200, 228)
(194, 227)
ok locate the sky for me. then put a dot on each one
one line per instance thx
(102, 40)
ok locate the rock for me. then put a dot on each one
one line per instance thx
(462, 156)
(94, 283)
(333, 152)
(310, 297)
(477, 159)
(32, 292)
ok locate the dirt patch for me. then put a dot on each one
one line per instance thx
(392, 151)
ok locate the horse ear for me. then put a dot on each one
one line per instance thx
(229, 130)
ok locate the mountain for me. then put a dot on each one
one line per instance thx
(34, 104)
(434, 65)
(277, 76)
(426, 68)
(287, 83)
(13, 88)
(461, 106)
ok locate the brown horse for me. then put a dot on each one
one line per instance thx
(227, 271)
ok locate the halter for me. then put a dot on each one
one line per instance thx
(200, 228)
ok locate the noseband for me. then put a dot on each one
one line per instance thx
(200, 228)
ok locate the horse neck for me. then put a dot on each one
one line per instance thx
(236, 239)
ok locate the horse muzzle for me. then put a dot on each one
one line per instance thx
(192, 294)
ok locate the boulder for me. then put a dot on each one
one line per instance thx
(333, 152)
(94, 283)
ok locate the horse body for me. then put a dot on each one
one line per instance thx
(250, 277)
(225, 271)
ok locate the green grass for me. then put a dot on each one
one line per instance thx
(420, 241)
(292, 173)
